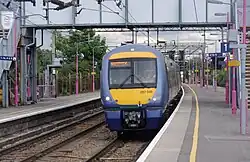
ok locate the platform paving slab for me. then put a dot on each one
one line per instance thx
(24, 119)
(47, 105)
(219, 131)
(169, 145)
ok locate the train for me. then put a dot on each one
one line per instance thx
(138, 84)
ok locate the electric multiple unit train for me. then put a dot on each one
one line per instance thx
(137, 85)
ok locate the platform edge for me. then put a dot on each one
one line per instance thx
(152, 144)
(46, 110)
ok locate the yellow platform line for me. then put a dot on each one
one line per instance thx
(193, 152)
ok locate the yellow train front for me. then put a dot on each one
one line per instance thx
(137, 83)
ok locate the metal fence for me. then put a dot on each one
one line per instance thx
(64, 85)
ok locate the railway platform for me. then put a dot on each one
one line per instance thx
(45, 105)
(201, 129)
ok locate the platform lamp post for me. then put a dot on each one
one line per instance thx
(227, 76)
(93, 67)
(243, 91)
(15, 50)
(206, 47)
(227, 94)
(189, 68)
(16, 63)
(215, 67)
(207, 58)
(235, 26)
(234, 100)
(223, 14)
(233, 37)
(77, 63)
(77, 80)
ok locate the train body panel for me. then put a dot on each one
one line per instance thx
(152, 120)
(137, 84)
(132, 96)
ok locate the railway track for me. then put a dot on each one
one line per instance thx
(37, 147)
(17, 131)
(102, 145)
(120, 149)
(128, 149)
(86, 139)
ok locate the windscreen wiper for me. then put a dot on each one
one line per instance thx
(143, 84)
(121, 85)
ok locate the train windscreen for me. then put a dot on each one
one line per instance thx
(133, 73)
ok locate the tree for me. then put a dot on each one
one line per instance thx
(87, 42)
(43, 59)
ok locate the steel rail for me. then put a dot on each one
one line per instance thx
(48, 133)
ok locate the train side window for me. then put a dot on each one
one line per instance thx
(170, 77)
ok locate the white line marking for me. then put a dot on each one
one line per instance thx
(152, 144)
(45, 110)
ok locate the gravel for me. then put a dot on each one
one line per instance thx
(45, 143)
(9, 141)
(82, 148)
(129, 151)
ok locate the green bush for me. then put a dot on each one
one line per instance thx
(221, 78)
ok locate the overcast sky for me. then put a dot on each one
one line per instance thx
(164, 11)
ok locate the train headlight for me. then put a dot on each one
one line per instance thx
(107, 98)
(154, 99)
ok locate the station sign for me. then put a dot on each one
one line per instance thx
(233, 63)
(7, 58)
(215, 55)
(7, 18)
(225, 47)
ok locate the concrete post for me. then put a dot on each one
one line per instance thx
(23, 57)
(47, 84)
(202, 61)
(33, 73)
(243, 109)
(5, 90)
(52, 60)
(23, 73)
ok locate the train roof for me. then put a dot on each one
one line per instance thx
(140, 48)
(134, 47)
(168, 60)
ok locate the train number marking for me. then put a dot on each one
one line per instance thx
(146, 91)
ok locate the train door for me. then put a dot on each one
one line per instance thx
(167, 80)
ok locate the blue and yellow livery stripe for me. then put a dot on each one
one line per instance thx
(132, 96)
(132, 55)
